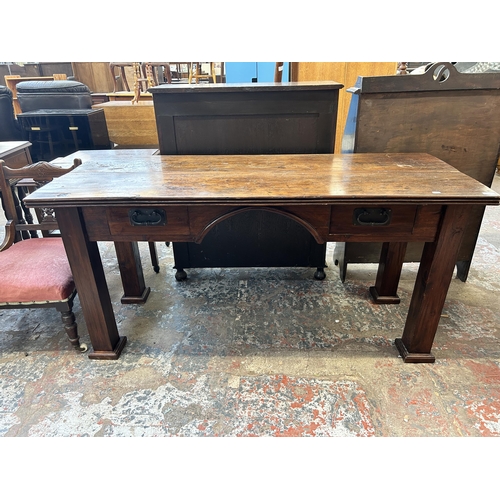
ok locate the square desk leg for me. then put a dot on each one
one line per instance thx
(135, 290)
(388, 274)
(86, 266)
(431, 286)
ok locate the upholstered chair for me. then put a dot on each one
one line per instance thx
(34, 270)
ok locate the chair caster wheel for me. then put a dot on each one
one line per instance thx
(83, 348)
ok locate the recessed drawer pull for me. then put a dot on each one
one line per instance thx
(372, 217)
(147, 217)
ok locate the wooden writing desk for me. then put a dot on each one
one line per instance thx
(390, 198)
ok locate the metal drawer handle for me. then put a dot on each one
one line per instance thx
(147, 217)
(372, 216)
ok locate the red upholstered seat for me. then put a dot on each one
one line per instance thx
(35, 270)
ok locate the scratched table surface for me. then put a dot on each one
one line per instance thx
(268, 179)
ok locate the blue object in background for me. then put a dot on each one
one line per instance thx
(251, 72)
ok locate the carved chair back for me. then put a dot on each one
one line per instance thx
(15, 184)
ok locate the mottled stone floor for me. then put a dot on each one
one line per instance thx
(261, 352)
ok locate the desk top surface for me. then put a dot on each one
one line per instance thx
(130, 179)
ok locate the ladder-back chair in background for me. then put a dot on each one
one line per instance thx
(159, 72)
(196, 74)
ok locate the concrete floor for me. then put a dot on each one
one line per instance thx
(261, 352)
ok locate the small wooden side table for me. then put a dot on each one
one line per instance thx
(15, 154)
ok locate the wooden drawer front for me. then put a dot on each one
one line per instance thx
(403, 223)
(120, 228)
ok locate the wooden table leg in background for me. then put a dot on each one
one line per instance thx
(86, 265)
(431, 286)
(129, 262)
(388, 274)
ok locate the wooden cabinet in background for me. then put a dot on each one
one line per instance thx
(342, 72)
(450, 115)
(253, 118)
(60, 132)
(130, 125)
(95, 75)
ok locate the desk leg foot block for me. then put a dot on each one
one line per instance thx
(114, 354)
(381, 299)
(413, 357)
(129, 299)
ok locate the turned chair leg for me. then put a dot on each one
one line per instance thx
(70, 325)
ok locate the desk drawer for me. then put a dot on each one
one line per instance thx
(120, 225)
(384, 222)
